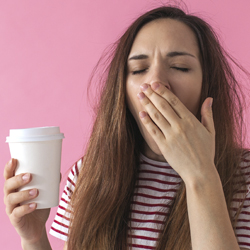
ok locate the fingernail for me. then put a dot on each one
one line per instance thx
(26, 177)
(10, 162)
(144, 86)
(141, 95)
(211, 103)
(33, 192)
(32, 205)
(142, 114)
(155, 85)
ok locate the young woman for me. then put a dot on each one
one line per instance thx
(163, 169)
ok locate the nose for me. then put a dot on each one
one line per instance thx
(158, 73)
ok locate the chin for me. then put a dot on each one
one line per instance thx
(153, 146)
(156, 149)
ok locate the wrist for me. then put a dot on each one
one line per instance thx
(204, 180)
(40, 244)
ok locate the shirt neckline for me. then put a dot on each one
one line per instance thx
(159, 163)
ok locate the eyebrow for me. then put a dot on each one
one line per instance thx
(179, 53)
(170, 54)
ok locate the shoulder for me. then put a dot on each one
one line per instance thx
(75, 169)
(242, 200)
(241, 192)
(60, 225)
(73, 176)
(246, 156)
(245, 163)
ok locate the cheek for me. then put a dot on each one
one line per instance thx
(194, 98)
(134, 104)
(189, 94)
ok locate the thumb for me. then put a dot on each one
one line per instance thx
(207, 115)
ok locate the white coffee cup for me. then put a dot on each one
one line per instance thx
(38, 151)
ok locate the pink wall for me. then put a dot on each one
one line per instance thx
(48, 49)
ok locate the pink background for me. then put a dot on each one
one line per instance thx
(47, 52)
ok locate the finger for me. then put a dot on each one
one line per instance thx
(207, 115)
(14, 199)
(161, 104)
(9, 169)
(154, 131)
(153, 112)
(18, 213)
(157, 90)
(16, 182)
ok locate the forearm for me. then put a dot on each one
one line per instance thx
(42, 244)
(209, 220)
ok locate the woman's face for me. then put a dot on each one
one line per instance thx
(165, 51)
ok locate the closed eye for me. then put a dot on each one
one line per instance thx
(138, 71)
(181, 69)
(143, 70)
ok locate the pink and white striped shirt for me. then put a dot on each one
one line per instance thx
(157, 185)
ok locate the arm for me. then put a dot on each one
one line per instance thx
(66, 246)
(210, 225)
(28, 221)
(42, 244)
(192, 157)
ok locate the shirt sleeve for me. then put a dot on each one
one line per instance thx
(60, 225)
(242, 230)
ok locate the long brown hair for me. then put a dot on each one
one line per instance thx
(100, 203)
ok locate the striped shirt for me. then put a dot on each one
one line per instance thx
(157, 185)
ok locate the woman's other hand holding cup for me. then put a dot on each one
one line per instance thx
(28, 222)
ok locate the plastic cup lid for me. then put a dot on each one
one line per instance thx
(35, 134)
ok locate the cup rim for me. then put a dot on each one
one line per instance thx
(34, 134)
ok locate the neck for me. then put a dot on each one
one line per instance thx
(149, 153)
